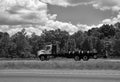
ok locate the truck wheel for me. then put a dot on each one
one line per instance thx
(42, 58)
(85, 58)
(48, 57)
(77, 58)
(105, 57)
(95, 57)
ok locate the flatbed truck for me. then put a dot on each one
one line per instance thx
(53, 51)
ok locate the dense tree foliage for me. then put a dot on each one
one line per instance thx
(78, 37)
(107, 31)
(23, 48)
(4, 44)
(102, 39)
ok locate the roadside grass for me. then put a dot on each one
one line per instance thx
(99, 64)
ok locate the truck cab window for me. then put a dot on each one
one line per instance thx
(47, 47)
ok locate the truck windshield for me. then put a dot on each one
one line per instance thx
(47, 47)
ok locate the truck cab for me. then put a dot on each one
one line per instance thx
(47, 51)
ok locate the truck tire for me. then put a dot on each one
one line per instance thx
(95, 57)
(42, 58)
(85, 58)
(77, 58)
(105, 57)
(48, 58)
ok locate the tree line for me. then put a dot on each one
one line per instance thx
(20, 45)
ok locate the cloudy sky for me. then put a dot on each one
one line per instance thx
(69, 15)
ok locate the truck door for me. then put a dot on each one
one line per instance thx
(48, 49)
(54, 49)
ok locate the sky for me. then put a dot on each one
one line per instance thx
(70, 15)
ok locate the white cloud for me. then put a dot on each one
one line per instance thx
(50, 25)
(113, 5)
(22, 12)
(112, 20)
(13, 31)
(66, 3)
(52, 17)
(63, 3)
(84, 27)
(31, 30)
(98, 4)
(107, 21)
(63, 26)
(33, 16)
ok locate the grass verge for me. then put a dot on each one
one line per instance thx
(60, 64)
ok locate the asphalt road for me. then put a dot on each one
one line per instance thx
(59, 76)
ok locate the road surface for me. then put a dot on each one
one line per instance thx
(59, 76)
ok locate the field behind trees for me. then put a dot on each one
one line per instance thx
(20, 45)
